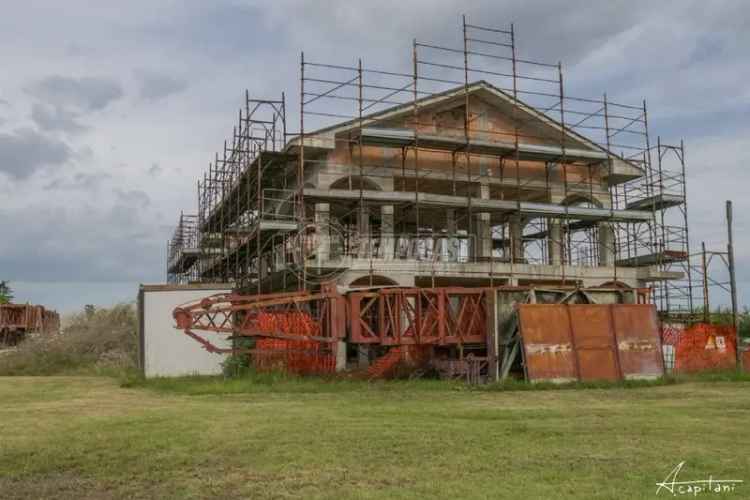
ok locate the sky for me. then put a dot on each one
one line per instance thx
(110, 111)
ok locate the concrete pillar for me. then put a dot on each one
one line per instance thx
(482, 236)
(606, 244)
(363, 232)
(555, 242)
(516, 236)
(484, 191)
(450, 252)
(363, 355)
(322, 220)
(340, 356)
(387, 237)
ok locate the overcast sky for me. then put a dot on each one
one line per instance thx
(109, 111)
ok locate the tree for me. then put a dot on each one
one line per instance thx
(6, 294)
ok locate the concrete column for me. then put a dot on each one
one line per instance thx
(450, 253)
(340, 356)
(363, 355)
(554, 241)
(482, 236)
(484, 191)
(606, 244)
(322, 220)
(363, 232)
(516, 236)
(387, 238)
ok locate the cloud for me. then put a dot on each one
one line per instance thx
(155, 86)
(154, 170)
(691, 68)
(56, 118)
(84, 94)
(79, 181)
(133, 197)
(24, 152)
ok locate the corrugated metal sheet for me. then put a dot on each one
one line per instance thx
(564, 342)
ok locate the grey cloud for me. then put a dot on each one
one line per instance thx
(80, 244)
(154, 170)
(56, 118)
(81, 180)
(155, 86)
(133, 198)
(85, 93)
(24, 152)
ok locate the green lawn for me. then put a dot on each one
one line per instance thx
(76, 437)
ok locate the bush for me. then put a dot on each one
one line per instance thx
(91, 342)
(238, 364)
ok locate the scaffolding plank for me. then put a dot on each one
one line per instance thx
(657, 202)
(652, 259)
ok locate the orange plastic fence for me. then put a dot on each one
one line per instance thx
(704, 347)
(294, 323)
(304, 357)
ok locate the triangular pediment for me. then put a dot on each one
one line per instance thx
(495, 118)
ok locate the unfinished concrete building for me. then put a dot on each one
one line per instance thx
(443, 213)
(475, 169)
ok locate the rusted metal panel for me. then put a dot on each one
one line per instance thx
(547, 342)
(594, 342)
(638, 340)
(564, 342)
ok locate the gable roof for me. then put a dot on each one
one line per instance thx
(478, 88)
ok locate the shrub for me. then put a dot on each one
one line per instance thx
(92, 341)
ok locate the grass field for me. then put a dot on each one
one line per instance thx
(78, 437)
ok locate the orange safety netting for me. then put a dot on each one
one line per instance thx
(289, 323)
(302, 356)
(704, 347)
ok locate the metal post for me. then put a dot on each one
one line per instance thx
(732, 281)
(687, 229)
(706, 305)
(301, 171)
(467, 117)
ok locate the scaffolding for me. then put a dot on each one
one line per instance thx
(182, 251)
(242, 189)
(563, 181)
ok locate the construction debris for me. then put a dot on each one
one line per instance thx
(19, 320)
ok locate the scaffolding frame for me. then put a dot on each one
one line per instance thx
(265, 166)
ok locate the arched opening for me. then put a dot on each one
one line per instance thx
(355, 182)
(581, 239)
(581, 200)
(615, 284)
(372, 280)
